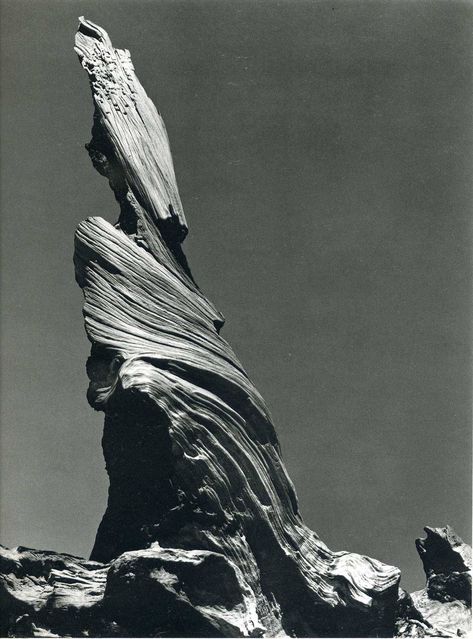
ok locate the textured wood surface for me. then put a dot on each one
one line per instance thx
(155, 340)
(202, 535)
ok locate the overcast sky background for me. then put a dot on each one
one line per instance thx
(323, 152)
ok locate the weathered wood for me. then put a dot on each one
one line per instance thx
(202, 535)
(216, 480)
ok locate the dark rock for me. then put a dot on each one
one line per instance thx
(444, 605)
(455, 586)
(442, 551)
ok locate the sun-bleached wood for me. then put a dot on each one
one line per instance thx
(214, 477)
(202, 535)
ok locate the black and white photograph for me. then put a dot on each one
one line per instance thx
(236, 318)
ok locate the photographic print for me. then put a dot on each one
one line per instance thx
(236, 318)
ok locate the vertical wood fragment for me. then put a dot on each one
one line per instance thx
(193, 457)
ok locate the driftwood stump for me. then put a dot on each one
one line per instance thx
(202, 535)
(193, 458)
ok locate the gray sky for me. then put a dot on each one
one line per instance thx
(323, 152)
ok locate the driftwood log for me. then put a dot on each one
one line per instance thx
(202, 535)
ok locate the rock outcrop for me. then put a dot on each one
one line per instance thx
(202, 535)
(170, 592)
(445, 602)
